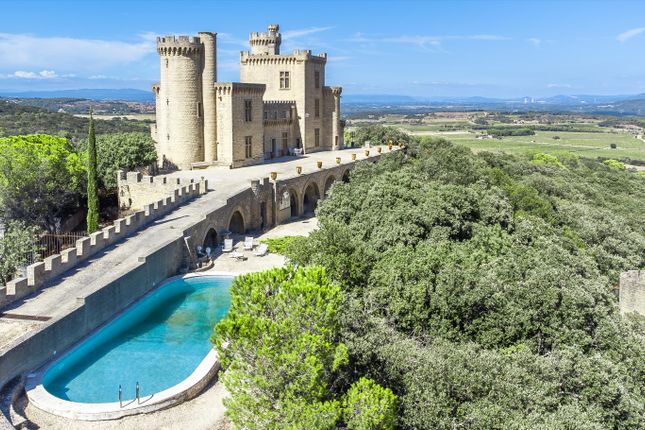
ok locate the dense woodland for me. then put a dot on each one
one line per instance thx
(472, 291)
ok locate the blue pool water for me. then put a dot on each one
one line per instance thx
(158, 342)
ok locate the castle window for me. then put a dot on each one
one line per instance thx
(248, 146)
(285, 141)
(166, 63)
(284, 81)
(167, 102)
(266, 115)
(283, 114)
(317, 78)
(317, 137)
(199, 109)
(248, 115)
(317, 108)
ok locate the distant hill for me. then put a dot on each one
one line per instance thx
(126, 94)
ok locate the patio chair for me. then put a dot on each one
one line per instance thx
(238, 256)
(228, 245)
(262, 250)
(248, 243)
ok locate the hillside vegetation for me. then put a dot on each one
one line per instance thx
(23, 120)
(479, 289)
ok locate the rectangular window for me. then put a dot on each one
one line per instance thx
(317, 108)
(248, 115)
(284, 81)
(248, 147)
(199, 109)
(317, 78)
(317, 137)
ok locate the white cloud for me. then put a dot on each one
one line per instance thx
(66, 53)
(425, 41)
(339, 58)
(535, 41)
(294, 34)
(559, 86)
(626, 35)
(43, 74)
(47, 74)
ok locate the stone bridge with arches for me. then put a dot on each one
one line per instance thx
(267, 203)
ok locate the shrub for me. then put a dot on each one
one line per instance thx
(280, 245)
(368, 406)
(612, 146)
(614, 164)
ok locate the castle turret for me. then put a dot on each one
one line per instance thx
(209, 77)
(180, 133)
(266, 43)
(336, 127)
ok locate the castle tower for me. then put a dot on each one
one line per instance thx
(266, 43)
(209, 77)
(336, 129)
(180, 131)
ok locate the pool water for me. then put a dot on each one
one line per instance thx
(158, 343)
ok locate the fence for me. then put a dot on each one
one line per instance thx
(50, 244)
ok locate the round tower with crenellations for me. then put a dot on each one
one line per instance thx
(180, 107)
(266, 43)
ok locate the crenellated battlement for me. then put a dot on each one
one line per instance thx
(179, 45)
(266, 43)
(227, 88)
(55, 265)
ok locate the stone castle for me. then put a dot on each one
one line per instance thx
(280, 107)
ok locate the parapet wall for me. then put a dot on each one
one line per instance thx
(632, 292)
(57, 264)
(136, 191)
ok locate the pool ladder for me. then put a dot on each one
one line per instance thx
(136, 395)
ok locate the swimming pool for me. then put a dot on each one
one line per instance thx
(158, 342)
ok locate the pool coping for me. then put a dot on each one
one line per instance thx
(179, 393)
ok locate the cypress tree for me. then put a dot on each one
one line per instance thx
(92, 183)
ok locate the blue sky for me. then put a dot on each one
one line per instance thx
(422, 48)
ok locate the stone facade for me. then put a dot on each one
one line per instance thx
(282, 103)
(632, 292)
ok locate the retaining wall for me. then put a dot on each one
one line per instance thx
(30, 351)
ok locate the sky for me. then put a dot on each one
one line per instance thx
(419, 48)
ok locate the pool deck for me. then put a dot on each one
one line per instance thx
(60, 297)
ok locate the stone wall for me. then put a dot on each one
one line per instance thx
(135, 191)
(232, 126)
(57, 264)
(632, 292)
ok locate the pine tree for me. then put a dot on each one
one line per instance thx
(92, 183)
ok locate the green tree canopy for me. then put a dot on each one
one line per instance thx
(279, 345)
(41, 180)
(479, 288)
(122, 151)
(16, 244)
(379, 135)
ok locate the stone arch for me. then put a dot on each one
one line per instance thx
(328, 183)
(346, 176)
(294, 202)
(210, 239)
(236, 223)
(310, 197)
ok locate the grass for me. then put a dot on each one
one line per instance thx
(278, 245)
(586, 144)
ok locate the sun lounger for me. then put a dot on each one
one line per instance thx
(238, 256)
(262, 250)
(248, 243)
(228, 245)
